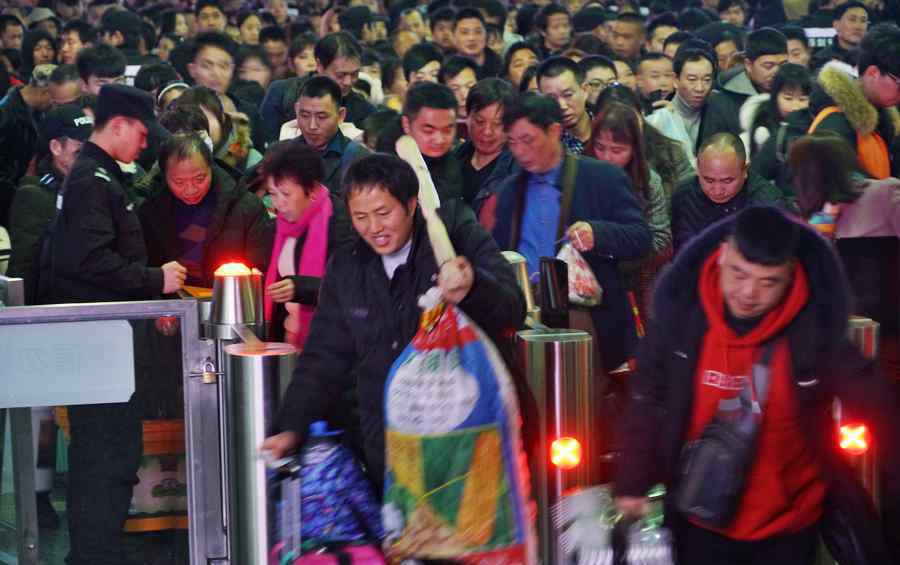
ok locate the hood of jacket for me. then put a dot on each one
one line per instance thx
(237, 146)
(839, 86)
(751, 108)
(823, 318)
(736, 80)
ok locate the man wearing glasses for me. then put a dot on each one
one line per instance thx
(840, 100)
(599, 72)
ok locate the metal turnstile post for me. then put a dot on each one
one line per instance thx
(559, 367)
(258, 379)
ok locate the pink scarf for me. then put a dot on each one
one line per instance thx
(314, 223)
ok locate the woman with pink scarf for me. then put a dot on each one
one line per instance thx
(311, 223)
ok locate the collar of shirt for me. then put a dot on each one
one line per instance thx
(549, 178)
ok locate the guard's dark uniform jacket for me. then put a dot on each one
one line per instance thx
(96, 249)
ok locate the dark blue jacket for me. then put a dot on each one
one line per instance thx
(603, 197)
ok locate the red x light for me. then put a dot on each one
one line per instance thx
(855, 439)
(565, 453)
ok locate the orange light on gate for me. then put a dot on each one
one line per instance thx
(854, 438)
(565, 453)
(233, 270)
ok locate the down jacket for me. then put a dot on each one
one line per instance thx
(240, 228)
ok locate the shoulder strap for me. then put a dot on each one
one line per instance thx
(820, 117)
(569, 172)
(761, 375)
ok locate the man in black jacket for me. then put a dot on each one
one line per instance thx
(97, 254)
(723, 185)
(19, 117)
(752, 280)
(367, 310)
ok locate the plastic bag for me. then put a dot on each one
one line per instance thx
(584, 290)
(456, 484)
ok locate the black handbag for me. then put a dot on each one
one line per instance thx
(713, 468)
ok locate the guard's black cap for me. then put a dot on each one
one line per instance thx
(129, 102)
(66, 121)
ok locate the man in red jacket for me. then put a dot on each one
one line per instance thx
(761, 281)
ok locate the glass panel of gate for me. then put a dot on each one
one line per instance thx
(142, 438)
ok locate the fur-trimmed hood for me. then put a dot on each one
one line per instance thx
(838, 81)
(823, 319)
(751, 108)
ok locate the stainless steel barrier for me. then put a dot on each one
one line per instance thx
(258, 378)
(559, 368)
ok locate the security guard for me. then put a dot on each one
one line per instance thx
(97, 253)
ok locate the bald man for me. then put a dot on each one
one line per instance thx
(722, 186)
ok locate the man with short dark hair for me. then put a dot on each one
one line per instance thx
(98, 66)
(367, 309)
(799, 50)
(561, 79)
(554, 25)
(75, 36)
(628, 36)
(851, 21)
(19, 111)
(429, 117)
(606, 226)
(766, 51)
(11, 32)
(460, 74)
(210, 16)
(724, 184)
(757, 297)
(485, 159)
(441, 23)
(122, 29)
(97, 254)
(654, 81)
(319, 116)
(659, 28)
(690, 118)
(274, 42)
(339, 57)
(361, 22)
(674, 41)
(470, 39)
(733, 12)
(599, 72)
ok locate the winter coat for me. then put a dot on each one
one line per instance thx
(337, 157)
(833, 51)
(756, 123)
(97, 251)
(718, 116)
(603, 197)
(825, 365)
(364, 321)
(668, 158)
(505, 167)
(306, 288)
(237, 150)
(693, 211)
(736, 88)
(32, 210)
(18, 137)
(240, 228)
(876, 213)
(836, 86)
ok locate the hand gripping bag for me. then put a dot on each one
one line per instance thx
(456, 484)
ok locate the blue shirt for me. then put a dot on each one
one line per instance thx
(540, 219)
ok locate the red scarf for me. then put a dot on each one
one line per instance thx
(314, 223)
(784, 490)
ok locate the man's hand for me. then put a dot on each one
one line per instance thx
(280, 445)
(632, 506)
(282, 291)
(173, 277)
(456, 279)
(581, 236)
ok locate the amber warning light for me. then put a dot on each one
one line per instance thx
(565, 453)
(233, 270)
(854, 438)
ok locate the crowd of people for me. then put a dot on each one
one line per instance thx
(144, 144)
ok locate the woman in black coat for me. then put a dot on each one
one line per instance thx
(204, 219)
